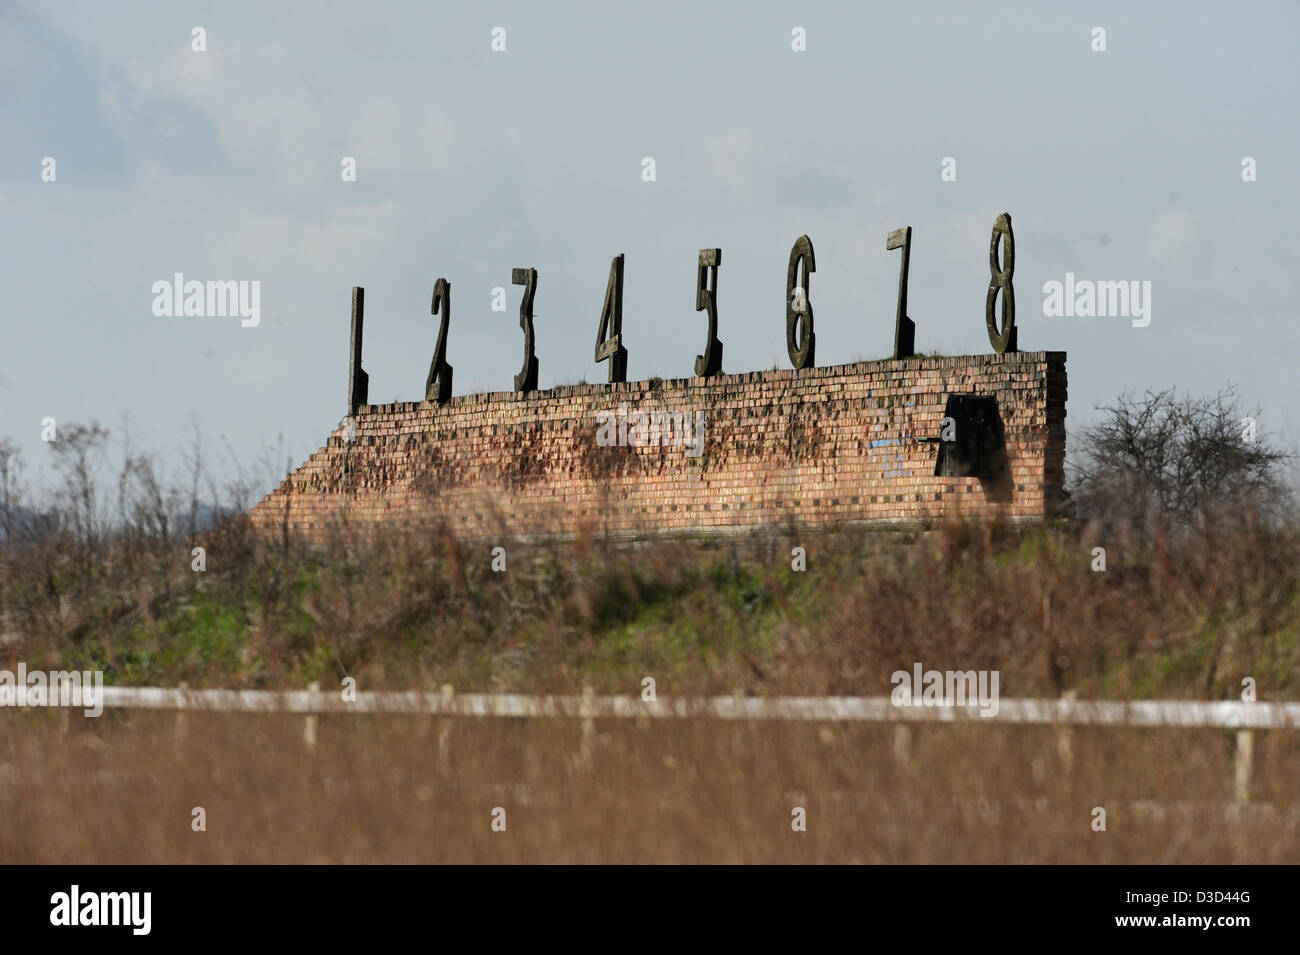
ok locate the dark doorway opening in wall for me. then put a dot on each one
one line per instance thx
(972, 443)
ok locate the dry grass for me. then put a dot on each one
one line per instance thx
(1182, 618)
(1178, 618)
(422, 789)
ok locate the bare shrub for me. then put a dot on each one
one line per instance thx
(1165, 460)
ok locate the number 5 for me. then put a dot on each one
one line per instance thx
(706, 298)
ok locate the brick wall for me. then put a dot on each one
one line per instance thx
(818, 446)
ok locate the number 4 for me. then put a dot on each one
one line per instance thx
(611, 324)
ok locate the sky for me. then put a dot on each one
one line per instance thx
(227, 163)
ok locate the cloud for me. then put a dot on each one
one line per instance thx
(733, 158)
(1170, 235)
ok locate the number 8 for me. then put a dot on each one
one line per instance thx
(1003, 340)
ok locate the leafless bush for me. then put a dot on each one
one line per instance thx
(149, 503)
(1165, 460)
(79, 455)
(11, 469)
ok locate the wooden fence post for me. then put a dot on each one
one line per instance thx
(309, 724)
(180, 714)
(1065, 737)
(1245, 756)
(448, 693)
(586, 711)
(902, 743)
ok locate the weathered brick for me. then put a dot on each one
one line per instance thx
(822, 445)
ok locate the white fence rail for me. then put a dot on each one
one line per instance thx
(1242, 716)
(1224, 714)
